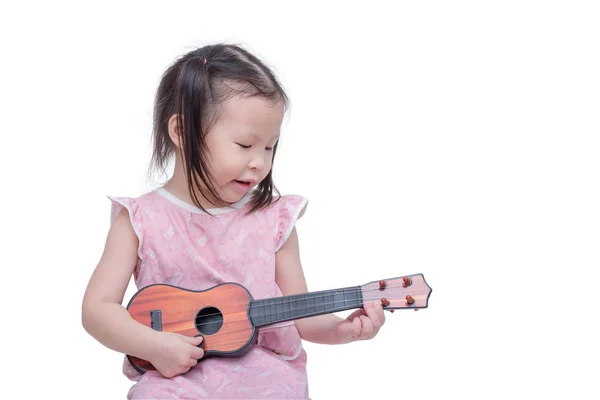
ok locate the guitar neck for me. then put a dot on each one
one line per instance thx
(280, 309)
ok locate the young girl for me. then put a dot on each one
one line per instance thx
(218, 113)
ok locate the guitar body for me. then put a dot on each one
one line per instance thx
(219, 314)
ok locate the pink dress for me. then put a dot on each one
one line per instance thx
(181, 245)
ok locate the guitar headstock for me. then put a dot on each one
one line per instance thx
(410, 291)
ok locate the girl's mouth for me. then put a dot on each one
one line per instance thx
(242, 184)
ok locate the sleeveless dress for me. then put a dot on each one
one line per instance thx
(181, 245)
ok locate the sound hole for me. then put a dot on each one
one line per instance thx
(209, 320)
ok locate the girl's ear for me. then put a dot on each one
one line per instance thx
(174, 131)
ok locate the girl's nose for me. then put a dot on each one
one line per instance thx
(258, 162)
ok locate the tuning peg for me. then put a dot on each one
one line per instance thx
(382, 285)
(385, 302)
(407, 281)
(409, 300)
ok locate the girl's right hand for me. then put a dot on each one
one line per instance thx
(176, 353)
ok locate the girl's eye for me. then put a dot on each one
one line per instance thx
(247, 147)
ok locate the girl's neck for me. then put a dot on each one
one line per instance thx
(178, 187)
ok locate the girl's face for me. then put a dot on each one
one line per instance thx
(241, 144)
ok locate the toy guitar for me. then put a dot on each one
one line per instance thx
(228, 317)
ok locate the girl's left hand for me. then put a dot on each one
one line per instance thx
(362, 324)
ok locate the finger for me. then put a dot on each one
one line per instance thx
(380, 313)
(197, 352)
(343, 329)
(185, 369)
(356, 327)
(367, 327)
(169, 374)
(355, 314)
(372, 314)
(196, 340)
(192, 362)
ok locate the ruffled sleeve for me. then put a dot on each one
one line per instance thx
(135, 217)
(288, 209)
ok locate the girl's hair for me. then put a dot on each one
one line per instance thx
(196, 85)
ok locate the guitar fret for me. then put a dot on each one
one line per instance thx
(338, 299)
(300, 305)
(267, 311)
(287, 308)
(330, 303)
(321, 303)
(294, 307)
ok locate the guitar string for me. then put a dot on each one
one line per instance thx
(346, 291)
(230, 321)
(274, 300)
(227, 343)
(261, 315)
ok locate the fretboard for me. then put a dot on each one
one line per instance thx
(286, 308)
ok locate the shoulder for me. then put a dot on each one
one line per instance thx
(284, 213)
(145, 198)
(134, 205)
(293, 204)
(130, 213)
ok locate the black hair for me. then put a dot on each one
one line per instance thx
(197, 84)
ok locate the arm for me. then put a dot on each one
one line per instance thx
(110, 323)
(103, 316)
(326, 328)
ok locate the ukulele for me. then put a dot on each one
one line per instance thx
(229, 318)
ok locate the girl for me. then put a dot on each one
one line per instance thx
(218, 112)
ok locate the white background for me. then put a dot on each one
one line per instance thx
(457, 139)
